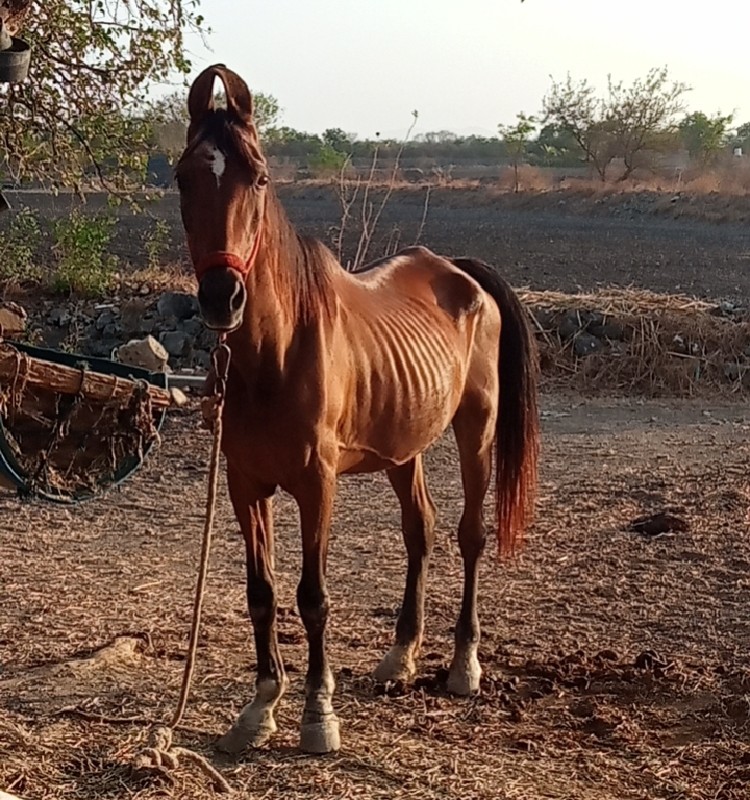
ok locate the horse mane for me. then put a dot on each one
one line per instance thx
(305, 265)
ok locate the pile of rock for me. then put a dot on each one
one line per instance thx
(674, 342)
(668, 345)
(157, 332)
(587, 331)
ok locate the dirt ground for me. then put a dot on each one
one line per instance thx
(616, 665)
(564, 241)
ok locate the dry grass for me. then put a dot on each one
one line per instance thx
(615, 666)
(731, 179)
(172, 276)
(671, 345)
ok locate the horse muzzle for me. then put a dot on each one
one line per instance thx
(222, 297)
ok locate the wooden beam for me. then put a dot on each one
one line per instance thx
(36, 372)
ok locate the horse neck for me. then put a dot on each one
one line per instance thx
(274, 313)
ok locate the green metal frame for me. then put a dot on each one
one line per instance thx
(11, 469)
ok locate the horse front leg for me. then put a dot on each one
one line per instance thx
(319, 732)
(253, 507)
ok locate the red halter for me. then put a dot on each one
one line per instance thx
(221, 258)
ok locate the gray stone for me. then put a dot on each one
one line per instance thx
(179, 305)
(102, 349)
(60, 316)
(202, 359)
(545, 317)
(585, 344)
(106, 318)
(148, 325)
(591, 319)
(146, 353)
(192, 327)
(206, 339)
(569, 325)
(131, 316)
(176, 343)
(608, 330)
(111, 331)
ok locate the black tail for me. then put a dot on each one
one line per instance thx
(517, 431)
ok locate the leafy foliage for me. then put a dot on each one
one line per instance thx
(327, 160)
(19, 246)
(156, 243)
(741, 136)
(80, 245)
(516, 138)
(705, 137)
(93, 61)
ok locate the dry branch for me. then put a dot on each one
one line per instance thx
(92, 386)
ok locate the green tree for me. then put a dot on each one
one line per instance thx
(705, 137)
(338, 139)
(626, 123)
(642, 115)
(554, 147)
(516, 138)
(92, 65)
(574, 108)
(167, 118)
(741, 137)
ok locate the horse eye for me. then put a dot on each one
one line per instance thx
(261, 180)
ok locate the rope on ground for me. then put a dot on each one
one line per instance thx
(160, 754)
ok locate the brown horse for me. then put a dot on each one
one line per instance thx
(332, 373)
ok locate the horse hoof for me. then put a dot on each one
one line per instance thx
(320, 737)
(239, 738)
(397, 665)
(463, 678)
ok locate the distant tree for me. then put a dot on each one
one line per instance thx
(626, 123)
(516, 138)
(436, 137)
(705, 137)
(741, 137)
(92, 66)
(575, 109)
(338, 139)
(643, 115)
(167, 119)
(554, 147)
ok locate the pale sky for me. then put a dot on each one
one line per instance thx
(467, 65)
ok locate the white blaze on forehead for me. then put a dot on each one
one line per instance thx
(218, 163)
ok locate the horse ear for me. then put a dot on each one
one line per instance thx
(201, 95)
(239, 99)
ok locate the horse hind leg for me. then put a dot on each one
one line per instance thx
(418, 526)
(474, 427)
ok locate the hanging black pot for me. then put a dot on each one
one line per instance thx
(15, 57)
(14, 62)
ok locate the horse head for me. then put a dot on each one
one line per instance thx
(222, 179)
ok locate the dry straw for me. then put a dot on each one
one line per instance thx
(669, 345)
